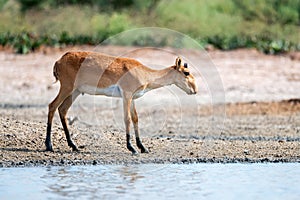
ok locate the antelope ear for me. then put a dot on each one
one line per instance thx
(178, 63)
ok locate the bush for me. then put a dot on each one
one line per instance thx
(102, 4)
(26, 42)
(262, 43)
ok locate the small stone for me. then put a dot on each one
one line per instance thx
(246, 152)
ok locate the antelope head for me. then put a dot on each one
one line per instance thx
(183, 78)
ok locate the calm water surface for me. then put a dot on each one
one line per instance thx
(153, 181)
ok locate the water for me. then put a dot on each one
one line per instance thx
(153, 181)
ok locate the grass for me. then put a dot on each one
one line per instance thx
(272, 26)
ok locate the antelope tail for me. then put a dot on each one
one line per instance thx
(55, 73)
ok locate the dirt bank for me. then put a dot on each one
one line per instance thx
(265, 135)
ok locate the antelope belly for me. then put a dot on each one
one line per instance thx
(111, 91)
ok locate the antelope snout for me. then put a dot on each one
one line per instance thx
(193, 91)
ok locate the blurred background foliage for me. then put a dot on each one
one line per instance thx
(272, 26)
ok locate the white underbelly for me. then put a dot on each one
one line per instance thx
(111, 91)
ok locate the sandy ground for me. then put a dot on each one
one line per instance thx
(247, 110)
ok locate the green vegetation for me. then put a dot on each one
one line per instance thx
(25, 42)
(272, 26)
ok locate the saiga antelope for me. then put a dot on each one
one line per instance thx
(100, 74)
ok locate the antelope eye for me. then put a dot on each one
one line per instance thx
(186, 73)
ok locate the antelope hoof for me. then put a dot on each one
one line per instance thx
(133, 151)
(74, 148)
(49, 147)
(141, 146)
(144, 150)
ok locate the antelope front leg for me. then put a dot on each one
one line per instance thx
(127, 118)
(134, 118)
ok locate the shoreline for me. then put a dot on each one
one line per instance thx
(69, 163)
